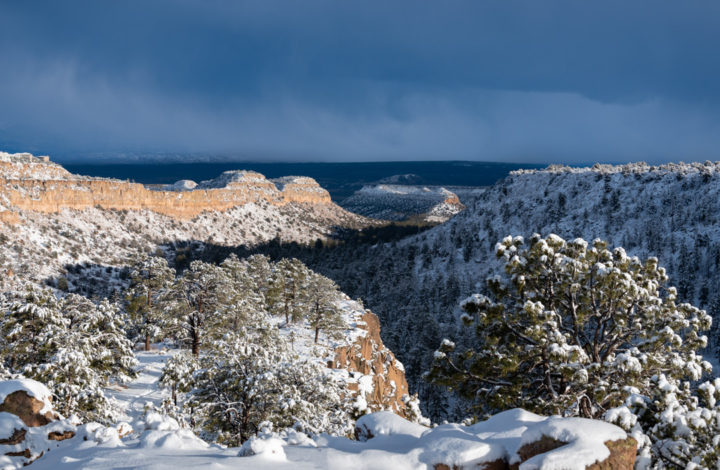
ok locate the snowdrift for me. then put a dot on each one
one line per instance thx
(514, 439)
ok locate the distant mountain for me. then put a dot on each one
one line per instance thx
(340, 179)
(407, 179)
(401, 202)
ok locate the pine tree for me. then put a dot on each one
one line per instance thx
(570, 330)
(177, 374)
(260, 270)
(72, 345)
(198, 301)
(322, 312)
(287, 285)
(150, 280)
(244, 382)
(245, 299)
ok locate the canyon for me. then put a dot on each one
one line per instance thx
(81, 229)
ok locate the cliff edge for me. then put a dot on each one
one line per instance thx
(29, 183)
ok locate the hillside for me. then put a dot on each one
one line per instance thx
(401, 201)
(669, 211)
(54, 219)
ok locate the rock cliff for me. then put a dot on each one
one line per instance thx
(381, 382)
(53, 222)
(29, 183)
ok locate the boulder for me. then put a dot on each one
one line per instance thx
(29, 409)
(622, 453)
(28, 423)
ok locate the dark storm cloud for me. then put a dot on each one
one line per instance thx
(492, 80)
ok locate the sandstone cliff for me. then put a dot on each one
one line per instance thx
(32, 184)
(381, 378)
(52, 221)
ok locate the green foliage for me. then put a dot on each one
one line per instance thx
(177, 374)
(243, 372)
(197, 301)
(288, 282)
(72, 345)
(571, 330)
(150, 281)
(322, 311)
(243, 385)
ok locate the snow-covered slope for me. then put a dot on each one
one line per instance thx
(147, 439)
(670, 211)
(399, 202)
(52, 220)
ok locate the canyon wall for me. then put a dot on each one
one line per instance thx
(386, 387)
(29, 183)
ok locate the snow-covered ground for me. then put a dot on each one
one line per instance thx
(386, 441)
(135, 396)
(399, 202)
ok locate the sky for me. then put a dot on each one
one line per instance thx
(328, 80)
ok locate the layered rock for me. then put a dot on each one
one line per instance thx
(381, 380)
(28, 183)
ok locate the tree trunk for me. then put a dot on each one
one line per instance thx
(317, 333)
(195, 344)
(147, 319)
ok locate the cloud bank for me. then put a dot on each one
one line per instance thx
(556, 81)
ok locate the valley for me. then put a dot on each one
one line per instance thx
(83, 235)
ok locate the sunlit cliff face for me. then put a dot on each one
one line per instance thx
(37, 184)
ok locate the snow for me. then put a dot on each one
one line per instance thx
(160, 443)
(31, 387)
(398, 202)
(585, 438)
(385, 423)
(9, 423)
(182, 185)
(269, 449)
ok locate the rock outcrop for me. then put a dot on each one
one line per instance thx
(508, 440)
(28, 425)
(30, 410)
(35, 184)
(381, 382)
(622, 453)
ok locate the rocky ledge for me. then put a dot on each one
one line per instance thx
(29, 183)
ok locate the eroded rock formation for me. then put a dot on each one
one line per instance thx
(382, 382)
(29, 183)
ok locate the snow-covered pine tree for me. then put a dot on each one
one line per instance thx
(177, 374)
(322, 311)
(72, 345)
(260, 270)
(150, 280)
(244, 382)
(245, 300)
(571, 330)
(197, 302)
(286, 290)
(677, 425)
